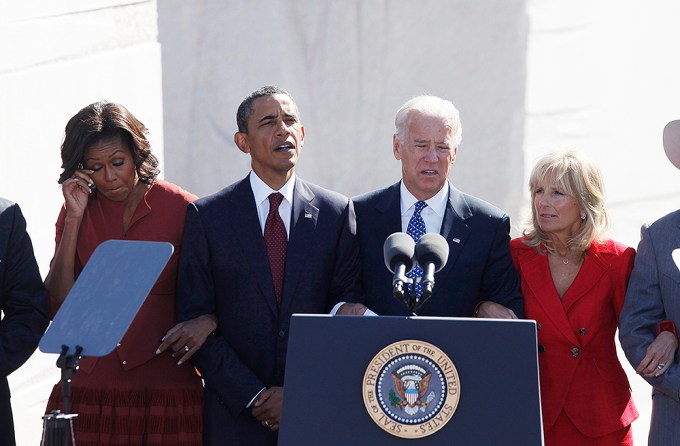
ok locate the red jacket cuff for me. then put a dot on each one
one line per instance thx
(666, 325)
(479, 305)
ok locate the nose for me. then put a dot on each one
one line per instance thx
(282, 128)
(109, 175)
(542, 200)
(431, 153)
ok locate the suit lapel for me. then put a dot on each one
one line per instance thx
(248, 232)
(454, 229)
(591, 272)
(388, 216)
(536, 274)
(304, 217)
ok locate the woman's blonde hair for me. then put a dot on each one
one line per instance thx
(577, 176)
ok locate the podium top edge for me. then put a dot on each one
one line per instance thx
(433, 318)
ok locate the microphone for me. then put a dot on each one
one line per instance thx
(432, 252)
(398, 251)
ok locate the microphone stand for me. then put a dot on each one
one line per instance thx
(405, 292)
(58, 425)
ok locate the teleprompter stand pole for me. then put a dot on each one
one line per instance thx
(58, 426)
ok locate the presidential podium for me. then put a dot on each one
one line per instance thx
(398, 380)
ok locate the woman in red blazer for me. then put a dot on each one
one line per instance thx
(574, 282)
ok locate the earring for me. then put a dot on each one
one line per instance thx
(583, 216)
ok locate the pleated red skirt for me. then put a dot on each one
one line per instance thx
(157, 403)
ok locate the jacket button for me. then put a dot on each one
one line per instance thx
(575, 352)
(582, 331)
(541, 348)
(282, 333)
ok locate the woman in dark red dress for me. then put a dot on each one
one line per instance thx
(140, 393)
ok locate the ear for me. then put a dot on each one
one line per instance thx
(241, 141)
(453, 154)
(396, 147)
(302, 130)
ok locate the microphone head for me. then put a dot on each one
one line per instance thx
(399, 248)
(432, 248)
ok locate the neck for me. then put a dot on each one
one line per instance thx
(422, 196)
(560, 245)
(275, 180)
(136, 195)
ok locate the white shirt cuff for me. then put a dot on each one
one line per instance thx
(255, 397)
(339, 304)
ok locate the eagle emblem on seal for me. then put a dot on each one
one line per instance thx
(410, 385)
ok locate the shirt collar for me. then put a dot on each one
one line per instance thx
(261, 191)
(437, 203)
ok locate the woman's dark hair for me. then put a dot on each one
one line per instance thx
(100, 121)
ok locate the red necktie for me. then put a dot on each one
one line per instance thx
(276, 240)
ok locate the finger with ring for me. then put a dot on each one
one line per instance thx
(267, 423)
(661, 365)
(186, 348)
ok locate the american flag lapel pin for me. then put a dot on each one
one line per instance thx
(455, 240)
(308, 215)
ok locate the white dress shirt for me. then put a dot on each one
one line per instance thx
(262, 192)
(433, 213)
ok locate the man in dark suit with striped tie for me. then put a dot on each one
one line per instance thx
(253, 254)
(479, 278)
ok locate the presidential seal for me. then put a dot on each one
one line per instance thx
(411, 389)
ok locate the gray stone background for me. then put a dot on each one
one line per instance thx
(528, 76)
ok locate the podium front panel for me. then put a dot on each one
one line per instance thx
(328, 357)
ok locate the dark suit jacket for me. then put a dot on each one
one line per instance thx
(23, 301)
(479, 265)
(579, 369)
(224, 269)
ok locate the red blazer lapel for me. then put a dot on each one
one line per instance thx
(537, 277)
(591, 272)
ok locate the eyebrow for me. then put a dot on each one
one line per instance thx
(112, 155)
(266, 118)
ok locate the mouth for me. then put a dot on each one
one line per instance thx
(429, 172)
(285, 147)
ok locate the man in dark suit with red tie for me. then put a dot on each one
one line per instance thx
(253, 254)
(479, 278)
(23, 301)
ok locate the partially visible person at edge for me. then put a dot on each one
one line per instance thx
(574, 280)
(254, 253)
(651, 313)
(478, 278)
(140, 393)
(23, 306)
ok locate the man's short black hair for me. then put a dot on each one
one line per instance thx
(246, 107)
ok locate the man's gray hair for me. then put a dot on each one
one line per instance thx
(429, 105)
